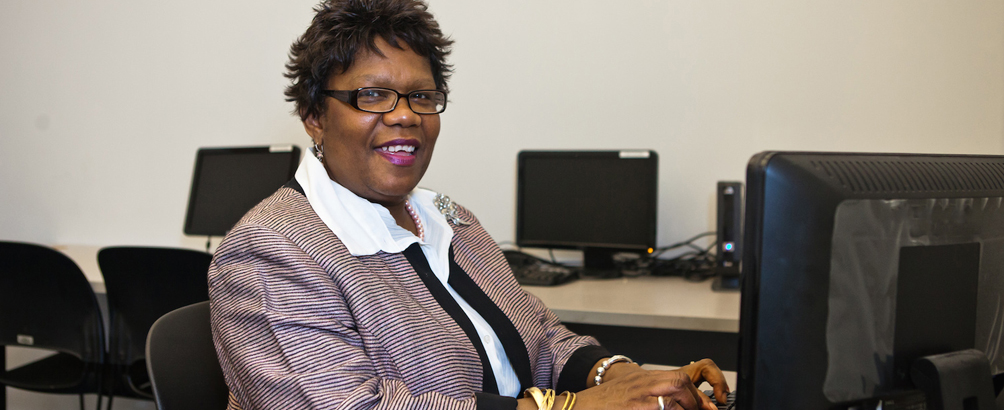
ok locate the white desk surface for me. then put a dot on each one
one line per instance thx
(651, 302)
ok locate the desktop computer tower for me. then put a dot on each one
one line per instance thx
(730, 222)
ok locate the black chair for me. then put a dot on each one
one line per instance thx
(46, 302)
(143, 284)
(183, 367)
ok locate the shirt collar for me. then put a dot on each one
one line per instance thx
(366, 228)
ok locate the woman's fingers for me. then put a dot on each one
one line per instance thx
(704, 401)
(677, 388)
(706, 370)
(714, 376)
(670, 403)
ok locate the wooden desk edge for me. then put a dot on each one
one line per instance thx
(649, 321)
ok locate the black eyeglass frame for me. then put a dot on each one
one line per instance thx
(352, 98)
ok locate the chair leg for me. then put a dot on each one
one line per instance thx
(3, 388)
(97, 407)
(110, 401)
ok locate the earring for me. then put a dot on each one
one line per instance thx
(318, 152)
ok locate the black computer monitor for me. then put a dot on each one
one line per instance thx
(855, 265)
(601, 202)
(228, 182)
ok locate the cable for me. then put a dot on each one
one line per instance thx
(696, 264)
(688, 242)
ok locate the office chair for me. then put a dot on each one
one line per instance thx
(998, 387)
(143, 284)
(47, 303)
(183, 366)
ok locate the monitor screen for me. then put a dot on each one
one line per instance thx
(228, 182)
(590, 200)
(855, 265)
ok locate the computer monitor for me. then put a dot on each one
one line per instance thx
(228, 182)
(855, 265)
(601, 202)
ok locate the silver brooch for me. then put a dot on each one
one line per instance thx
(448, 209)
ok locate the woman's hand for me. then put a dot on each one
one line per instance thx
(707, 371)
(634, 387)
(641, 390)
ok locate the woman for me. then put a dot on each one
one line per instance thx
(350, 288)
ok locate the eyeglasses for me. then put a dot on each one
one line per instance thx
(383, 100)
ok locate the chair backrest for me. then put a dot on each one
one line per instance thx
(143, 284)
(182, 361)
(47, 302)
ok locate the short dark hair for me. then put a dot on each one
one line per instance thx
(341, 28)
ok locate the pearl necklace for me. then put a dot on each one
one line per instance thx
(414, 217)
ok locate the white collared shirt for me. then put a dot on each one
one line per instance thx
(367, 228)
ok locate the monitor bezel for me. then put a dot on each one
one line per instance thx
(292, 151)
(776, 171)
(633, 155)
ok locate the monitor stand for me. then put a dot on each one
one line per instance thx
(725, 283)
(599, 263)
(957, 380)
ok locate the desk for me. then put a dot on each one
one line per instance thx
(649, 302)
(665, 320)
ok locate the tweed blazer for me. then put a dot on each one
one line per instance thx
(299, 322)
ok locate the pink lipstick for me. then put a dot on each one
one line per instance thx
(399, 152)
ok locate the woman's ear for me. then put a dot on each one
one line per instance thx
(314, 128)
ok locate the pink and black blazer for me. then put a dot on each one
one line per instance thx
(300, 323)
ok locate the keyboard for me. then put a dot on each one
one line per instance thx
(533, 271)
(730, 403)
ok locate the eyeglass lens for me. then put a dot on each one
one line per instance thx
(384, 100)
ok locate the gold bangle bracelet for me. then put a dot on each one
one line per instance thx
(537, 395)
(548, 400)
(543, 399)
(569, 401)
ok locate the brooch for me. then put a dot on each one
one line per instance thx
(448, 209)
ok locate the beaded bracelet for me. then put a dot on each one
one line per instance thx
(606, 365)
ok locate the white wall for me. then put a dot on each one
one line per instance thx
(707, 84)
(103, 103)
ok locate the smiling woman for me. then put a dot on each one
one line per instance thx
(378, 156)
(351, 288)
